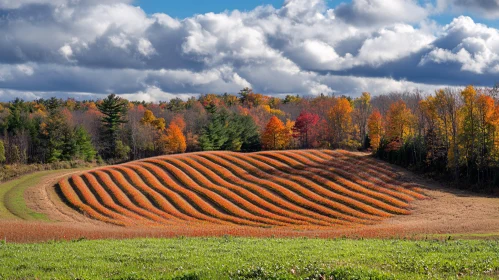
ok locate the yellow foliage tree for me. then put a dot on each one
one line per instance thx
(399, 121)
(148, 117)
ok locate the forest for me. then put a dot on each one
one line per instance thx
(451, 134)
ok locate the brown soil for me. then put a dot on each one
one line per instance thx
(447, 211)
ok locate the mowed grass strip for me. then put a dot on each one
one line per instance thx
(12, 202)
(249, 258)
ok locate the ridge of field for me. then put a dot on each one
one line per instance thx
(303, 188)
(251, 258)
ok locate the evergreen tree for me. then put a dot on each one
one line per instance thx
(114, 109)
(214, 135)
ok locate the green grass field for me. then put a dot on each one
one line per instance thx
(248, 258)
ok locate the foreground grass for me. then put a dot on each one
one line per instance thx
(247, 258)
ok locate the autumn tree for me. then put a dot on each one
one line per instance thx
(304, 128)
(275, 136)
(399, 120)
(470, 121)
(173, 142)
(340, 121)
(375, 128)
(361, 114)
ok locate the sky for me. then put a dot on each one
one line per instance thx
(157, 50)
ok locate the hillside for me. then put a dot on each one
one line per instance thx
(283, 188)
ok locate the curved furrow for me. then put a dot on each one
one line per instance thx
(345, 204)
(231, 202)
(387, 195)
(379, 166)
(136, 196)
(295, 211)
(298, 203)
(388, 172)
(361, 194)
(306, 189)
(347, 165)
(288, 192)
(237, 195)
(90, 199)
(206, 207)
(345, 168)
(314, 164)
(329, 188)
(72, 197)
(264, 207)
(108, 199)
(162, 183)
(123, 199)
(157, 194)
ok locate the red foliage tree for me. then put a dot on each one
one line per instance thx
(304, 128)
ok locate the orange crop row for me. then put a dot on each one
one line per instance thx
(71, 196)
(362, 193)
(343, 170)
(258, 205)
(108, 199)
(271, 186)
(214, 192)
(351, 198)
(347, 165)
(138, 197)
(312, 191)
(123, 199)
(340, 202)
(304, 190)
(355, 173)
(295, 212)
(155, 192)
(214, 213)
(293, 191)
(92, 201)
(171, 189)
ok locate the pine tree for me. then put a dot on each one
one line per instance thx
(85, 149)
(114, 109)
(214, 135)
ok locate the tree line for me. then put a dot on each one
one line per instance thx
(451, 134)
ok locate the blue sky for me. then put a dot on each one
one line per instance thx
(187, 8)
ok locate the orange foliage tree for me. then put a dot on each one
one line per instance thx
(174, 140)
(375, 127)
(276, 136)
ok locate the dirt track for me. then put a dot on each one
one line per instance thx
(447, 211)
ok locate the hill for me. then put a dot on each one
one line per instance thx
(267, 189)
